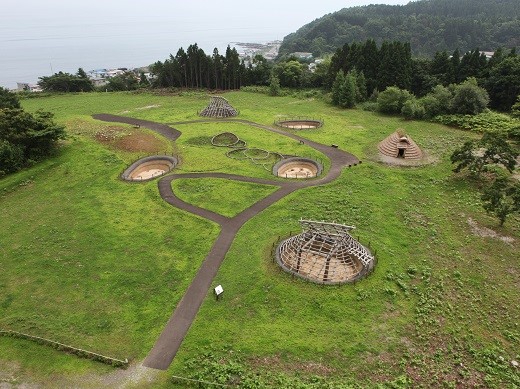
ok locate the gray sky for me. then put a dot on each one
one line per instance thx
(281, 17)
(40, 37)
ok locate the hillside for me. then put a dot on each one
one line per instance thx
(429, 26)
(99, 263)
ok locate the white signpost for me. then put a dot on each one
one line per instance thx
(218, 291)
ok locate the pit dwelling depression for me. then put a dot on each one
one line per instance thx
(301, 124)
(149, 168)
(297, 167)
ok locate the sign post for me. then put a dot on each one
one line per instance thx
(218, 292)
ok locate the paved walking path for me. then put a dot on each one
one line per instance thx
(166, 346)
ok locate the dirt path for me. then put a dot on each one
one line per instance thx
(166, 346)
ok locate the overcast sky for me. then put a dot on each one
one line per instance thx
(281, 17)
(40, 37)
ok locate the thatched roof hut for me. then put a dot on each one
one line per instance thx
(400, 145)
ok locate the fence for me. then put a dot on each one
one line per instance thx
(283, 122)
(67, 348)
(178, 379)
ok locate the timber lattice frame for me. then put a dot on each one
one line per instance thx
(219, 107)
(325, 253)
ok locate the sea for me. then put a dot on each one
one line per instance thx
(28, 52)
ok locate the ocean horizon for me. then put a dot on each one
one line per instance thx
(39, 38)
(27, 56)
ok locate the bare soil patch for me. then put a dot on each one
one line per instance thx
(488, 232)
(148, 107)
(126, 139)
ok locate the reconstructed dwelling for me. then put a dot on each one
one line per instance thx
(400, 145)
(324, 253)
(219, 107)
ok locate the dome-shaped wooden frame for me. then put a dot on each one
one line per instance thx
(324, 253)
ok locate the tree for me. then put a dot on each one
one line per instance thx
(392, 99)
(122, 82)
(441, 68)
(515, 109)
(502, 198)
(413, 109)
(320, 75)
(8, 99)
(437, 102)
(143, 80)
(259, 71)
(361, 86)
(503, 84)
(274, 86)
(81, 73)
(291, 74)
(26, 137)
(469, 98)
(472, 64)
(422, 80)
(347, 97)
(65, 82)
(478, 156)
(336, 87)
(11, 157)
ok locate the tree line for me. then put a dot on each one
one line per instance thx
(392, 65)
(376, 67)
(193, 68)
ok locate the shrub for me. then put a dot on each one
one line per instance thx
(274, 86)
(487, 121)
(469, 98)
(392, 99)
(11, 157)
(413, 109)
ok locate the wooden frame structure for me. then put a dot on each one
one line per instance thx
(325, 253)
(219, 107)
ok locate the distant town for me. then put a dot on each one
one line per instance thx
(246, 51)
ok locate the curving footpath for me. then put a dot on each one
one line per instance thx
(168, 343)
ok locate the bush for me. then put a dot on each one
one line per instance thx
(256, 89)
(11, 157)
(487, 121)
(515, 109)
(369, 106)
(413, 109)
(25, 137)
(392, 99)
(469, 98)
(274, 86)
(8, 99)
(438, 102)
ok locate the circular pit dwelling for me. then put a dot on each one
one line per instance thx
(300, 124)
(325, 253)
(297, 167)
(149, 168)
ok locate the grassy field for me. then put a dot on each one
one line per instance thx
(95, 262)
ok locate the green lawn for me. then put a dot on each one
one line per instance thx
(95, 262)
(225, 197)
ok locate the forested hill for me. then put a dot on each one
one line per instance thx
(429, 26)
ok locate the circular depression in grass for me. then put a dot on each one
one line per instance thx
(149, 168)
(297, 167)
(300, 124)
